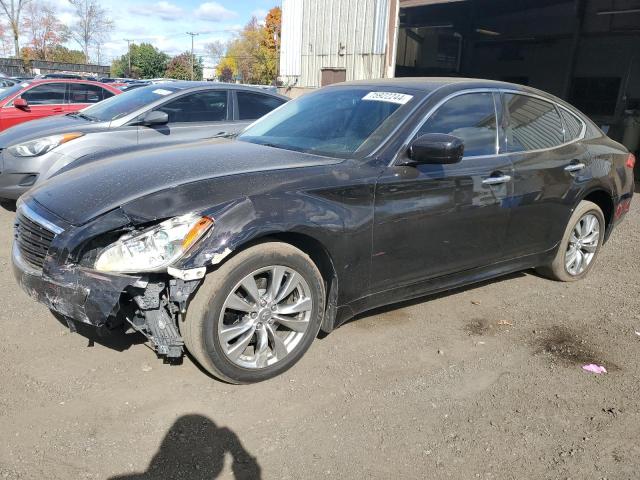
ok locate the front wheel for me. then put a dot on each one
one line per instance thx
(256, 315)
(580, 244)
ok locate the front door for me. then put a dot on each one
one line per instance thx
(44, 100)
(431, 220)
(194, 116)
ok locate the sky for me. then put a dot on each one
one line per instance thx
(165, 23)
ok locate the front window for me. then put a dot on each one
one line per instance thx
(470, 117)
(337, 122)
(126, 103)
(197, 107)
(46, 94)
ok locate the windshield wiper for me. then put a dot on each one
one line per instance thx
(82, 115)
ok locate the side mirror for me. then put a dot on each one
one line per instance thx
(155, 117)
(436, 148)
(21, 103)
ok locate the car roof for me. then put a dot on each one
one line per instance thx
(37, 81)
(430, 84)
(185, 84)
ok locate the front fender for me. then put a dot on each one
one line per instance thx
(245, 220)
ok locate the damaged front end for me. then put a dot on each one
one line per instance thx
(112, 273)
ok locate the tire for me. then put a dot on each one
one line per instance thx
(558, 269)
(209, 316)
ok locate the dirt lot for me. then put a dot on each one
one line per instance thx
(480, 383)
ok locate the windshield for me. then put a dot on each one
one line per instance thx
(336, 122)
(9, 92)
(122, 105)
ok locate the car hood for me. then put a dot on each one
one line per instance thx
(47, 126)
(84, 193)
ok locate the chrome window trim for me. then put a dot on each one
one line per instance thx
(31, 215)
(558, 106)
(428, 115)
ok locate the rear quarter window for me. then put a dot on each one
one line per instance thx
(572, 125)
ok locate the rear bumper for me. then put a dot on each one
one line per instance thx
(75, 292)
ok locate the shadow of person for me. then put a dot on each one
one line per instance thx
(194, 449)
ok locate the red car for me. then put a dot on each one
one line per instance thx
(34, 99)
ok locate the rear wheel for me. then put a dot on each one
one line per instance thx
(580, 244)
(256, 315)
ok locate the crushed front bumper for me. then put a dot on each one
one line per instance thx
(78, 293)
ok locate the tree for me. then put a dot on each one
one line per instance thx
(92, 24)
(62, 54)
(6, 40)
(146, 62)
(13, 9)
(215, 49)
(252, 55)
(180, 67)
(227, 69)
(43, 29)
(226, 75)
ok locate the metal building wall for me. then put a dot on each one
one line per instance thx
(349, 34)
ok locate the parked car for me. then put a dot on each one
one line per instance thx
(6, 82)
(170, 113)
(345, 199)
(35, 99)
(131, 85)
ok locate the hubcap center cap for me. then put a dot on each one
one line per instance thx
(264, 315)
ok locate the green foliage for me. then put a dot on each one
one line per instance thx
(180, 67)
(146, 62)
(63, 54)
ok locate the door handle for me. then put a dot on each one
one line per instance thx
(496, 180)
(574, 167)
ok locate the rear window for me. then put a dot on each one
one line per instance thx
(252, 106)
(533, 124)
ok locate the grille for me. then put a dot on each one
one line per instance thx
(33, 241)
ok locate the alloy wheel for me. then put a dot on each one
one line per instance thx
(583, 244)
(265, 317)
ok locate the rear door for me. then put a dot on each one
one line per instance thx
(193, 116)
(81, 95)
(548, 165)
(432, 220)
(44, 99)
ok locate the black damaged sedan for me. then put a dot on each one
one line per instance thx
(355, 196)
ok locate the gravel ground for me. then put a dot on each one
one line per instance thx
(483, 382)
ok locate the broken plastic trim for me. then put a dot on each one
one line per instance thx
(189, 274)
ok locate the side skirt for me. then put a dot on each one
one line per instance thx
(440, 284)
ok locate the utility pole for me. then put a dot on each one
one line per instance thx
(192, 35)
(128, 55)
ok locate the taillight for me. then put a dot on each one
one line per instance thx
(631, 160)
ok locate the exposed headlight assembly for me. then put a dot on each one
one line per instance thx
(42, 145)
(155, 248)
